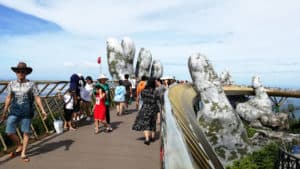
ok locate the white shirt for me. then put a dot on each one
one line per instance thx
(69, 103)
(133, 83)
(86, 92)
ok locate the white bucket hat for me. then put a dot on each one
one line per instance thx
(102, 76)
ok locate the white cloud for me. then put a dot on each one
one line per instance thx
(98, 17)
(69, 64)
(249, 36)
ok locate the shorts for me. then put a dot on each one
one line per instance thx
(68, 114)
(127, 98)
(76, 108)
(13, 121)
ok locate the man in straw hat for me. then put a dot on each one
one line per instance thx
(102, 82)
(20, 99)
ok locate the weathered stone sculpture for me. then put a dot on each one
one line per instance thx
(258, 110)
(156, 69)
(129, 53)
(217, 118)
(120, 57)
(225, 78)
(143, 63)
(257, 106)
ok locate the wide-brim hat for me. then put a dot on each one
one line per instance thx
(167, 78)
(22, 66)
(102, 76)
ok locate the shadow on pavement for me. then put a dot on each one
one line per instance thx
(47, 147)
(157, 136)
(129, 111)
(116, 124)
(32, 148)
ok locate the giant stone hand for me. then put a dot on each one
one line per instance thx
(120, 57)
(143, 63)
(217, 118)
(156, 69)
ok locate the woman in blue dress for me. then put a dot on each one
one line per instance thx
(119, 98)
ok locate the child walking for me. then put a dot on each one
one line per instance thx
(99, 108)
(68, 110)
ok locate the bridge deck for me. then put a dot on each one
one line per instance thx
(121, 149)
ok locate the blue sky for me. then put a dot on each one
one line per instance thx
(58, 38)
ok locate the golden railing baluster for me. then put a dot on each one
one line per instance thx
(50, 111)
(3, 142)
(53, 88)
(62, 88)
(2, 90)
(59, 108)
(44, 123)
(34, 131)
(44, 88)
(20, 135)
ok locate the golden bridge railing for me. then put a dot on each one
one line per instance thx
(245, 90)
(180, 122)
(53, 105)
(277, 95)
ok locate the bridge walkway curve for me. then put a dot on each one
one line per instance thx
(82, 149)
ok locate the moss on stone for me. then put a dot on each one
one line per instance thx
(213, 139)
(206, 101)
(233, 155)
(215, 125)
(215, 107)
(226, 107)
(202, 122)
(242, 151)
(113, 64)
(213, 128)
(221, 152)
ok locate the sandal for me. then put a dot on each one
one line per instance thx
(96, 131)
(25, 159)
(14, 154)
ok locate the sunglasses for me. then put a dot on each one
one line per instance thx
(20, 71)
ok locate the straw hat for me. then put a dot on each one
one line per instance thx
(22, 66)
(167, 78)
(102, 76)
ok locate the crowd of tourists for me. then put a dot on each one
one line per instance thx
(85, 99)
(147, 92)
